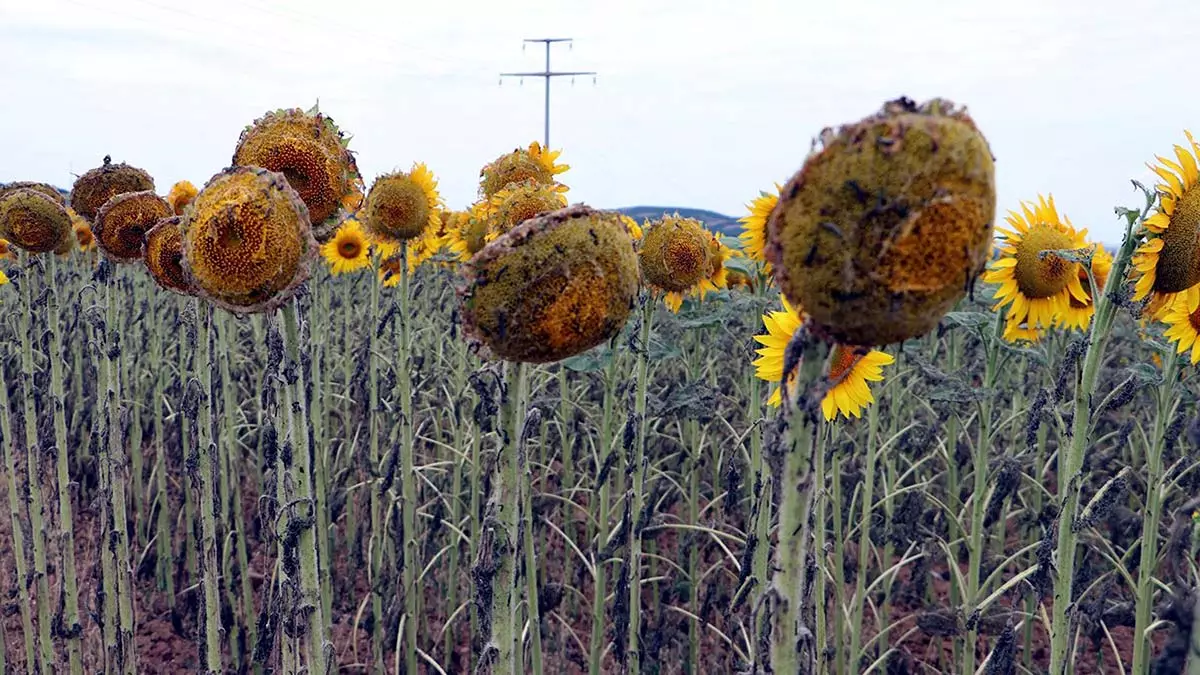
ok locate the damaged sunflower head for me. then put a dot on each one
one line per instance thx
(93, 189)
(33, 221)
(888, 223)
(164, 255)
(676, 254)
(553, 287)
(310, 151)
(247, 243)
(123, 221)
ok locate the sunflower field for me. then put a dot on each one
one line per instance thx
(286, 421)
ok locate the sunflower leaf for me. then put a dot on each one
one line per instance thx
(1145, 372)
(590, 361)
(969, 319)
(1031, 354)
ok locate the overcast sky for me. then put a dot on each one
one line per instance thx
(698, 103)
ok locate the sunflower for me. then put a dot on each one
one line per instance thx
(3, 278)
(680, 257)
(1020, 332)
(1081, 310)
(182, 193)
(521, 201)
(83, 231)
(716, 278)
(6, 252)
(1167, 265)
(401, 206)
(348, 250)
(850, 368)
(536, 164)
(632, 227)
(419, 251)
(1038, 290)
(1183, 328)
(467, 233)
(754, 226)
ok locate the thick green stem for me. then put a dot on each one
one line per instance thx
(1148, 565)
(529, 544)
(408, 470)
(599, 589)
(70, 589)
(37, 506)
(20, 553)
(638, 488)
(299, 478)
(1070, 464)
(789, 653)
(377, 523)
(118, 478)
(206, 494)
(505, 504)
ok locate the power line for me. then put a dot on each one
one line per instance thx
(546, 75)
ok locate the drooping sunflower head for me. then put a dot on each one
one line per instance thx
(311, 152)
(887, 224)
(123, 221)
(676, 254)
(94, 188)
(553, 287)
(163, 256)
(521, 201)
(739, 279)
(247, 241)
(182, 193)
(348, 250)
(32, 221)
(754, 226)
(1167, 265)
(850, 368)
(1036, 285)
(83, 232)
(44, 188)
(535, 163)
(402, 205)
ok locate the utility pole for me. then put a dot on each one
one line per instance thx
(546, 75)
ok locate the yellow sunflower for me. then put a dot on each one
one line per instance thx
(1038, 290)
(535, 163)
(468, 232)
(1081, 310)
(850, 369)
(6, 252)
(1167, 265)
(401, 206)
(521, 201)
(348, 250)
(754, 226)
(420, 250)
(1020, 332)
(1183, 328)
(83, 232)
(631, 226)
(716, 278)
(3, 278)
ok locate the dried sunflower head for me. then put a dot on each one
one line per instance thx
(403, 205)
(888, 223)
(553, 287)
(33, 221)
(94, 188)
(676, 254)
(123, 221)
(309, 150)
(163, 255)
(519, 202)
(83, 231)
(534, 163)
(247, 242)
(44, 188)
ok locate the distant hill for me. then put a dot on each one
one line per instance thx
(727, 225)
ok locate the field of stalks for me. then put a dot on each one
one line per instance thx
(286, 422)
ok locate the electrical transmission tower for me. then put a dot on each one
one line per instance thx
(546, 75)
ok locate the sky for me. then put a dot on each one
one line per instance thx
(697, 103)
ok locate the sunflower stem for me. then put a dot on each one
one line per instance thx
(637, 490)
(792, 642)
(1166, 400)
(603, 497)
(70, 589)
(8, 445)
(378, 528)
(408, 476)
(204, 476)
(864, 537)
(1070, 466)
(33, 452)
